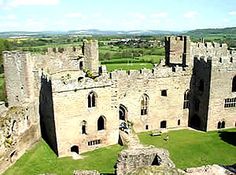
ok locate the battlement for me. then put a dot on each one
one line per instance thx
(15, 54)
(159, 72)
(177, 38)
(211, 45)
(64, 50)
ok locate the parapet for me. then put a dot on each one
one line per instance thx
(157, 72)
(64, 50)
(177, 38)
(209, 49)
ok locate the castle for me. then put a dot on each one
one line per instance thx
(71, 101)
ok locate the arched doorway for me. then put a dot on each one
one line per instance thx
(74, 149)
(123, 112)
(195, 122)
(163, 124)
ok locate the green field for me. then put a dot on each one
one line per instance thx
(2, 88)
(187, 148)
(190, 148)
(128, 66)
(136, 63)
(128, 58)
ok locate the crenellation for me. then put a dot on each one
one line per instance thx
(64, 50)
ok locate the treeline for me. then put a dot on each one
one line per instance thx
(4, 45)
(220, 35)
(222, 31)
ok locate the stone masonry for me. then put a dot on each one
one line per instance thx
(78, 106)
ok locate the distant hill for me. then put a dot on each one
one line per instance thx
(213, 31)
(25, 34)
(220, 35)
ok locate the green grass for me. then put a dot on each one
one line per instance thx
(151, 58)
(191, 149)
(187, 148)
(41, 159)
(2, 88)
(130, 66)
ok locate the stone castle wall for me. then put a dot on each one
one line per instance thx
(132, 86)
(74, 96)
(19, 130)
(57, 85)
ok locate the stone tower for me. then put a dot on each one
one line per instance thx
(177, 50)
(19, 78)
(90, 51)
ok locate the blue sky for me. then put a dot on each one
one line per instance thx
(62, 15)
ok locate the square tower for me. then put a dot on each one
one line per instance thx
(177, 50)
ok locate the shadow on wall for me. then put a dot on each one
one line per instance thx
(47, 121)
(228, 136)
(199, 94)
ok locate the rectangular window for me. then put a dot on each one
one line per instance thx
(164, 93)
(230, 102)
(94, 142)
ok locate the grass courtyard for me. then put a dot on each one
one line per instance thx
(187, 149)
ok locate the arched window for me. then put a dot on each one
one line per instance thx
(219, 125)
(101, 123)
(91, 99)
(234, 84)
(84, 127)
(186, 99)
(123, 112)
(223, 124)
(144, 104)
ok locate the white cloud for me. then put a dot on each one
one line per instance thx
(232, 13)
(74, 15)
(191, 14)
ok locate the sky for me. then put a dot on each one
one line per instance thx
(64, 15)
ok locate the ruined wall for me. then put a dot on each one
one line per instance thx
(71, 111)
(18, 132)
(131, 86)
(90, 51)
(177, 50)
(19, 77)
(56, 60)
(132, 159)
